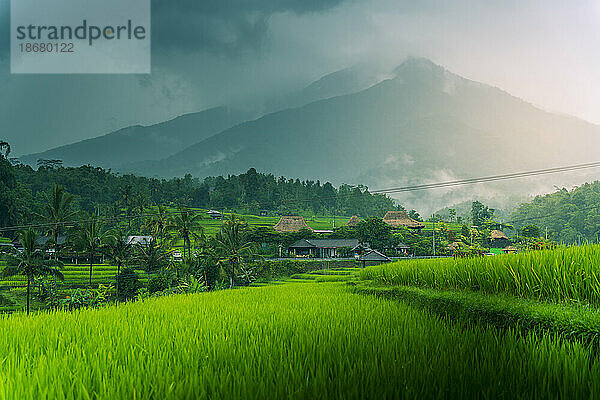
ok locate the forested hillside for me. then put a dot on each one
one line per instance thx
(570, 216)
(99, 190)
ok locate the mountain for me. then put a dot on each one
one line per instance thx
(143, 143)
(424, 124)
(135, 144)
(338, 83)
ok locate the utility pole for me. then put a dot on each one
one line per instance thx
(222, 222)
(546, 233)
(434, 234)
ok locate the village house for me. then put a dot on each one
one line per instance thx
(353, 222)
(373, 257)
(397, 219)
(498, 239)
(291, 223)
(324, 248)
(139, 240)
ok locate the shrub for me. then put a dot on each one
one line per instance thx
(128, 283)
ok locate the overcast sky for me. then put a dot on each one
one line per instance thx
(235, 51)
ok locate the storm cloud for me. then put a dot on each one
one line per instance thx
(245, 53)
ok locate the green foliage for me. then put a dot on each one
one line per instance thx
(375, 232)
(502, 311)
(530, 231)
(86, 298)
(565, 274)
(480, 213)
(129, 283)
(8, 200)
(570, 216)
(182, 347)
(158, 283)
(130, 195)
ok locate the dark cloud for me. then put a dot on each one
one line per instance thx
(215, 26)
(225, 26)
(4, 29)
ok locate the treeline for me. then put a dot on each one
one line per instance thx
(569, 216)
(107, 193)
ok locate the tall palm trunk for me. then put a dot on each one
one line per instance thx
(91, 266)
(117, 283)
(232, 275)
(28, 287)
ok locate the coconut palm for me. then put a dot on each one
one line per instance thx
(232, 248)
(186, 225)
(159, 222)
(30, 262)
(152, 256)
(118, 251)
(90, 239)
(6, 147)
(57, 211)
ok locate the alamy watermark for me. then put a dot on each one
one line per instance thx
(80, 36)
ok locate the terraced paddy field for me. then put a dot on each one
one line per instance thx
(333, 333)
(295, 340)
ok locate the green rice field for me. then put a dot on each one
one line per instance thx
(566, 274)
(296, 340)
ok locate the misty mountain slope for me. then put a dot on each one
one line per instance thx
(139, 143)
(338, 83)
(424, 124)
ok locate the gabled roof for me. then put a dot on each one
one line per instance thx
(143, 240)
(510, 248)
(402, 246)
(354, 220)
(45, 240)
(291, 223)
(374, 255)
(401, 218)
(325, 243)
(496, 235)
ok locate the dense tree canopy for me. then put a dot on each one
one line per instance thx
(570, 216)
(107, 193)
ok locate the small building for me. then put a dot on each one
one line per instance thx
(291, 223)
(139, 240)
(403, 249)
(397, 219)
(322, 248)
(353, 222)
(498, 239)
(510, 250)
(373, 258)
(214, 214)
(46, 241)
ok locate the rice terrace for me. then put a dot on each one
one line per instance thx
(340, 199)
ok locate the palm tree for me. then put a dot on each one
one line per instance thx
(118, 250)
(90, 239)
(30, 262)
(6, 147)
(57, 210)
(186, 225)
(232, 248)
(152, 256)
(159, 222)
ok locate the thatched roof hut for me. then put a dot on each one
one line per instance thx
(453, 246)
(291, 223)
(401, 218)
(354, 220)
(497, 235)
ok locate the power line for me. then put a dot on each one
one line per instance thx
(403, 189)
